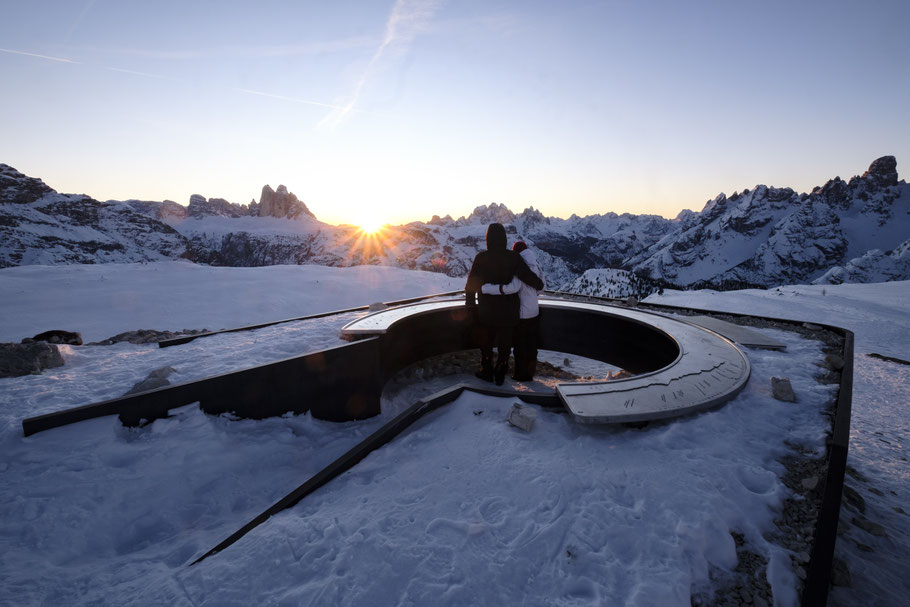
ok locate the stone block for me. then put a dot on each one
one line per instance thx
(28, 359)
(782, 390)
(834, 362)
(522, 417)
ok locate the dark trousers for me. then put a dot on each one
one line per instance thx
(501, 337)
(525, 341)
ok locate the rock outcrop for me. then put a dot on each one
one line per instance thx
(162, 211)
(218, 207)
(492, 213)
(40, 226)
(281, 203)
(146, 336)
(28, 359)
(16, 188)
(57, 336)
(873, 266)
(154, 380)
(883, 170)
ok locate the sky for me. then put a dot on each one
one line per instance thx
(394, 111)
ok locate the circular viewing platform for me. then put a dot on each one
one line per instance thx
(679, 367)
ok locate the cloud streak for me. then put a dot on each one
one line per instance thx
(85, 9)
(241, 52)
(47, 57)
(333, 107)
(135, 73)
(291, 99)
(407, 20)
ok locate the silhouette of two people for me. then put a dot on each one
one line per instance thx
(497, 315)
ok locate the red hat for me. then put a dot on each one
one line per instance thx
(519, 246)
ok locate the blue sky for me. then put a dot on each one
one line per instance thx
(395, 111)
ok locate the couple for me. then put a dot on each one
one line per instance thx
(503, 285)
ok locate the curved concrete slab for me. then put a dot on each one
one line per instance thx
(692, 368)
(379, 323)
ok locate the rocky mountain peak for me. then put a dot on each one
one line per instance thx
(167, 209)
(883, 170)
(200, 207)
(441, 221)
(494, 213)
(716, 206)
(281, 203)
(17, 188)
(685, 214)
(533, 217)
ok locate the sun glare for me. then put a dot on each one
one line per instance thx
(370, 226)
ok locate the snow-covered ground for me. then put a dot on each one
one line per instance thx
(461, 509)
(102, 300)
(879, 316)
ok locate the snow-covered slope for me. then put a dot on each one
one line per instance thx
(40, 226)
(770, 236)
(874, 266)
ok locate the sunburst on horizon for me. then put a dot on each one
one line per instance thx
(371, 227)
(370, 224)
(367, 241)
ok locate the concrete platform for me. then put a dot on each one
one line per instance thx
(744, 336)
(702, 368)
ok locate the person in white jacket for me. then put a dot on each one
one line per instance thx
(526, 333)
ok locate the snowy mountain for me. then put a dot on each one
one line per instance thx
(770, 236)
(40, 226)
(874, 266)
(766, 236)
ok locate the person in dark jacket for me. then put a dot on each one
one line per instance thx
(526, 335)
(497, 315)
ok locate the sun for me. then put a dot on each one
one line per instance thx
(371, 225)
(368, 242)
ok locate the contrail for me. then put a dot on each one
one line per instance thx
(48, 57)
(75, 24)
(406, 21)
(291, 99)
(334, 107)
(135, 73)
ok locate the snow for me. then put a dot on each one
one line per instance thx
(879, 316)
(467, 509)
(218, 226)
(101, 301)
(460, 509)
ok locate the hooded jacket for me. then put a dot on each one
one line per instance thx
(499, 265)
(527, 295)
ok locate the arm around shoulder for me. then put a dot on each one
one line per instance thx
(506, 289)
(528, 277)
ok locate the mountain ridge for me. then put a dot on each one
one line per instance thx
(764, 236)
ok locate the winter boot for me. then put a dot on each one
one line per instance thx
(486, 368)
(500, 373)
(519, 371)
(529, 367)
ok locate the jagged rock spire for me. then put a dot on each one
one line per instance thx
(883, 170)
(281, 203)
